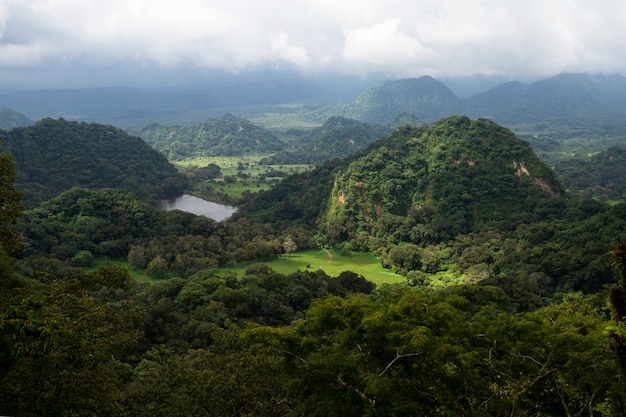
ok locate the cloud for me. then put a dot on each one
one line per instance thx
(397, 37)
(383, 44)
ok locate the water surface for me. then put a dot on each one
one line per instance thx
(197, 206)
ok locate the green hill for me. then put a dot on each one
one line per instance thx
(450, 178)
(338, 137)
(55, 155)
(425, 97)
(225, 136)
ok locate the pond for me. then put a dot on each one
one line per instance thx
(197, 206)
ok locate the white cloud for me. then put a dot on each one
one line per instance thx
(398, 37)
(384, 44)
(282, 49)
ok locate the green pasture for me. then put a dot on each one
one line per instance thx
(243, 173)
(330, 262)
(334, 264)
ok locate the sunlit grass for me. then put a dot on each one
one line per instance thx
(364, 264)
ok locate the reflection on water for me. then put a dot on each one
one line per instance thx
(197, 206)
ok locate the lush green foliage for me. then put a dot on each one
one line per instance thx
(265, 344)
(10, 204)
(338, 137)
(448, 179)
(115, 224)
(55, 155)
(602, 176)
(227, 136)
(405, 353)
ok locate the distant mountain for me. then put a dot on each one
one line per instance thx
(119, 105)
(425, 97)
(338, 137)
(577, 100)
(226, 136)
(52, 156)
(9, 119)
(442, 180)
(567, 101)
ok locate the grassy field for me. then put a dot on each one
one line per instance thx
(239, 174)
(333, 264)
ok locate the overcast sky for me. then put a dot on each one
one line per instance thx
(118, 42)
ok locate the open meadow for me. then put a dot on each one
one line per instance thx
(331, 263)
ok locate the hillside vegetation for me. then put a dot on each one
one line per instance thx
(512, 302)
(338, 137)
(461, 201)
(225, 136)
(601, 176)
(55, 155)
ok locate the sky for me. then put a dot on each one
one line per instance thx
(82, 43)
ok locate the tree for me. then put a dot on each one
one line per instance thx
(289, 245)
(10, 205)
(59, 350)
(157, 268)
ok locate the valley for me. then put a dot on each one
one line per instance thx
(402, 251)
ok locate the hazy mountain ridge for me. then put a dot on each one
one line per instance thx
(575, 100)
(580, 100)
(9, 119)
(426, 97)
(55, 155)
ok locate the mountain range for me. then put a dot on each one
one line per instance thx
(574, 102)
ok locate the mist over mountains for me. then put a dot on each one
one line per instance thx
(580, 101)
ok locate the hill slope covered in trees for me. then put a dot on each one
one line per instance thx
(55, 155)
(227, 136)
(338, 137)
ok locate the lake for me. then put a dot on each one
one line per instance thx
(197, 206)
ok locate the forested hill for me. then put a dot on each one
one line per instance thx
(55, 155)
(426, 97)
(9, 119)
(449, 178)
(452, 178)
(227, 135)
(568, 101)
(338, 137)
